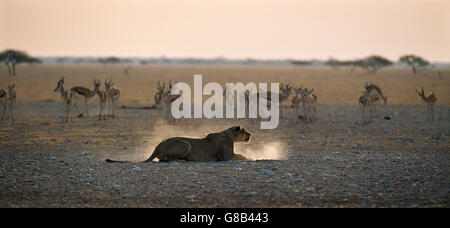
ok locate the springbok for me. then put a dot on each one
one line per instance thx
(3, 101)
(113, 95)
(370, 97)
(103, 96)
(309, 100)
(286, 91)
(167, 99)
(69, 96)
(11, 100)
(79, 91)
(429, 100)
(160, 93)
(66, 95)
(296, 101)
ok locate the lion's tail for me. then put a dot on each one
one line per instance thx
(153, 156)
(111, 161)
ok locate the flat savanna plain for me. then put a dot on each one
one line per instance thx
(334, 161)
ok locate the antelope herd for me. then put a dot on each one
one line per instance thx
(303, 101)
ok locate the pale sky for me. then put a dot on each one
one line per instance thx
(266, 29)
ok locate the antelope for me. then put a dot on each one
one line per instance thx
(309, 100)
(86, 93)
(370, 96)
(159, 94)
(167, 99)
(113, 95)
(296, 100)
(286, 91)
(378, 95)
(66, 96)
(11, 100)
(126, 71)
(430, 100)
(103, 96)
(3, 101)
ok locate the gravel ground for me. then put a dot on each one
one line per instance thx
(332, 162)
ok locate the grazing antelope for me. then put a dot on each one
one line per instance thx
(113, 95)
(378, 95)
(103, 96)
(309, 100)
(66, 96)
(3, 101)
(371, 95)
(430, 100)
(159, 94)
(11, 100)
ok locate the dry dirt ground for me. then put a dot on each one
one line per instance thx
(332, 162)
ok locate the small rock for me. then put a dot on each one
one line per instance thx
(268, 172)
(51, 158)
(117, 187)
(126, 196)
(34, 187)
(137, 169)
(326, 158)
(190, 197)
(84, 153)
(352, 185)
(298, 180)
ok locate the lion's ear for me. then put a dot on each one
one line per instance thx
(240, 127)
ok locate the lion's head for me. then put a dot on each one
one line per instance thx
(239, 134)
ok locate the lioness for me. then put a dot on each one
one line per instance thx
(214, 147)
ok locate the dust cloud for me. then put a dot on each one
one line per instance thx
(264, 151)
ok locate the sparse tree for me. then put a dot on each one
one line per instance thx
(373, 63)
(414, 62)
(13, 57)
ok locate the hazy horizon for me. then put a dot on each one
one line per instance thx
(282, 29)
